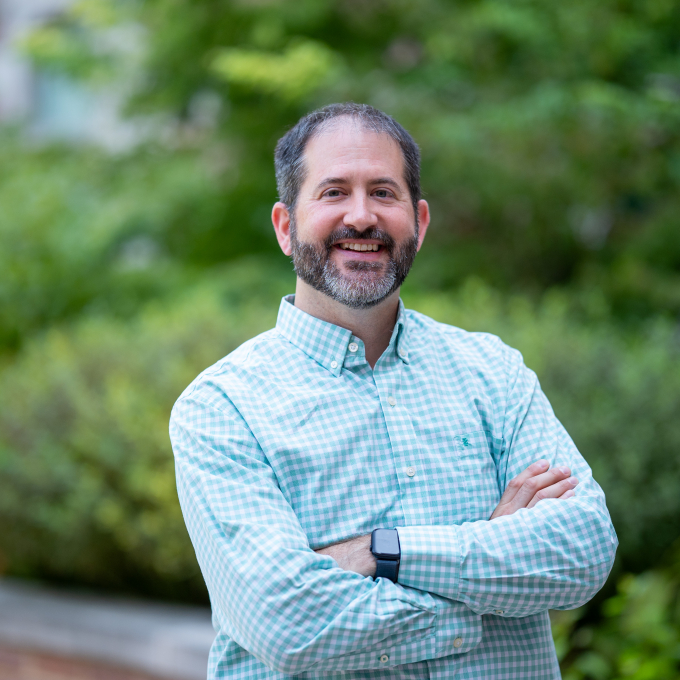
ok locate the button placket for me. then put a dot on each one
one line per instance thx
(413, 486)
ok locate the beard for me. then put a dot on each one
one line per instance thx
(368, 283)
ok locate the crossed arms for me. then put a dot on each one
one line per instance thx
(537, 483)
(296, 610)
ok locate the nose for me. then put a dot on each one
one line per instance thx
(359, 214)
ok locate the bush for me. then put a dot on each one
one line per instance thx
(87, 488)
(87, 491)
(81, 230)
(638, 636)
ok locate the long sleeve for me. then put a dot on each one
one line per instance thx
(291, 608)
(556, 555)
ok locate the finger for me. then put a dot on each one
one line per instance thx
(516, 483)
(554, 491)
(568, 494)
(535, 484)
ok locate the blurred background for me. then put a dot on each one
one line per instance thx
(136, 182)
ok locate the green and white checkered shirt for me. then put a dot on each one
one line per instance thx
(292, 442)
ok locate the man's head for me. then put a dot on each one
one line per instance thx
(289, 162)
(350, 212)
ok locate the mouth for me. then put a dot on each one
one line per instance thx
(360, 247)
(369, 250)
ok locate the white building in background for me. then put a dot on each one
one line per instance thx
(49, 106)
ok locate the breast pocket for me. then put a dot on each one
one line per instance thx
(479, 474)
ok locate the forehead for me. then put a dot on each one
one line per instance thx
(344, 147)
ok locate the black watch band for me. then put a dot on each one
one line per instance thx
(385, 546)
(387, 569)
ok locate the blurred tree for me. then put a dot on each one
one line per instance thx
(550, 132)
(551, 157)
(82, 231)
(638, 637)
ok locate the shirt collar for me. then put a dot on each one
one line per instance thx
(326, 343)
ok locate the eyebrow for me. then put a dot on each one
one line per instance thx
(329, 181)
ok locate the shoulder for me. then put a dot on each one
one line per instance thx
(238, 371)
(471, 348)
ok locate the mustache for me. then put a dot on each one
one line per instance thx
(349, 233)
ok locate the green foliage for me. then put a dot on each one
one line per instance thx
(83, 231)
(639, 637)
(549, 131)
(86, 479)
(87, 490)
(292, 75)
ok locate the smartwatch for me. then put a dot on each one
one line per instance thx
(385, 548)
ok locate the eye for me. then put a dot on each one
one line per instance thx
(332, 193)
(383, 193)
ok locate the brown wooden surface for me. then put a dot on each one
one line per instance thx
(20, 664)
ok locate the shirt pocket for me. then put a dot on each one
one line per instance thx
(479, 474)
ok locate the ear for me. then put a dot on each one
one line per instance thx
(423, 221)
(281, 222)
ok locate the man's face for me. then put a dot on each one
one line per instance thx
(354, 233)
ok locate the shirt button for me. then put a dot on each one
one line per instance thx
(498, 612)
(384, 658)
(353, 347)
(391, 401)
(410, 471)
(402, 353)
(334, 364)
(457, 642)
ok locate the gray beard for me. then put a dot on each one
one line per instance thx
(371, 283)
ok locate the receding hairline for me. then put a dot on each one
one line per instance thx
(291, 149)
(364, 124)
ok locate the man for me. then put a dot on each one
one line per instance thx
(355, 415)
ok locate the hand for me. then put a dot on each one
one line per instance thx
(353, 555)
(534, 484)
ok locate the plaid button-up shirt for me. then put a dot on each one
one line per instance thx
(292, 442)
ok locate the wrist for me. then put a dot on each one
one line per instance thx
(387, 552)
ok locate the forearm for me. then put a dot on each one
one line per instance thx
(553, 556)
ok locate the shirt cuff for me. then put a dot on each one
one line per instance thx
(459, 629)
(431, 559)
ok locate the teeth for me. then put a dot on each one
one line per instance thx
(360, 247)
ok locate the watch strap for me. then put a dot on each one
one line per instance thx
(387, 569)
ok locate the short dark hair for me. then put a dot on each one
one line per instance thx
(290, 149)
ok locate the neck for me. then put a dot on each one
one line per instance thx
(373, 325)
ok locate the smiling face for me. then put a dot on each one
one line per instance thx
(354, 233)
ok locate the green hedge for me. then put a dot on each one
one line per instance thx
(86, 476)
(636, 636)
(87, 490)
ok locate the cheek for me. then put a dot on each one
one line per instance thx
(319, 221)
(402, 222)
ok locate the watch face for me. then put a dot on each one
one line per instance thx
(385, 543)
